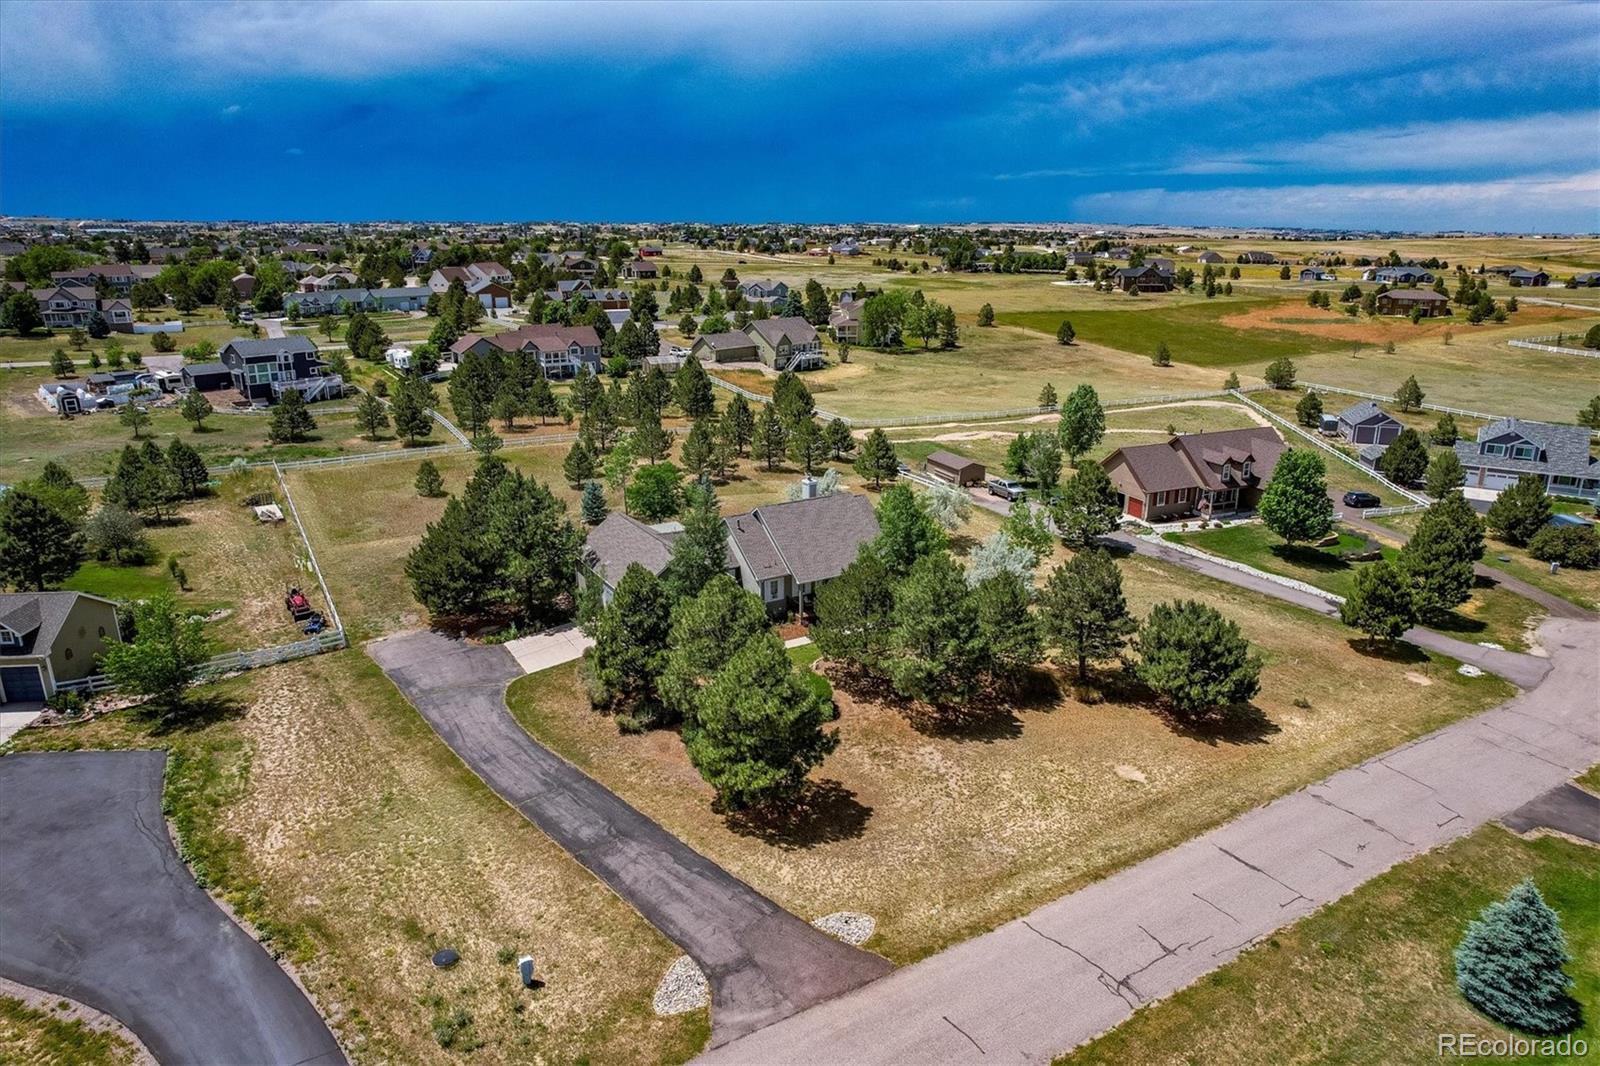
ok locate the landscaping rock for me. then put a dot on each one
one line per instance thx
(849, 926)
(683, 989)
(1468, 670)
(1491, 644)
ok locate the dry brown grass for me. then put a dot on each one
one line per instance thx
(943, 828)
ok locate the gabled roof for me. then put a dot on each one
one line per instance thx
(731, 339)
(622, 539)
(39, 613)
(246, 347)
(1365, 411)
(1565, 449)
(811, 540)
(1427, 296)
(951, 461)
(1186, 461)
(545, 337)
(772, 330)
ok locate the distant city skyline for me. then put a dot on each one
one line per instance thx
(1360, 116)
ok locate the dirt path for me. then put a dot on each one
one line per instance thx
(1051, 416)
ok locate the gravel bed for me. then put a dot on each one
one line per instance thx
(850, 926)
(683, 989)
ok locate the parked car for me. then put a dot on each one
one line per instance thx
(1357, 498)
(1006, 489)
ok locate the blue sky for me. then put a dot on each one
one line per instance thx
(1393, 115)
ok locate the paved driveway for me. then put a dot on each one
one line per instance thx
(98, 907)
(1566, 809)
(762, 962)
(1082, 964)
(550, 648)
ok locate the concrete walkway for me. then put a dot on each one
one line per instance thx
(763, 963)
(1522, 670)
(99, 909)
(553, 647)
(1043, 984)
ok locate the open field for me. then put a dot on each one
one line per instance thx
(1282, 402)
(88, 445)
(1370, 978)
(44, 1037)
(318, 804)
(40, 345)
(234, 564)
(943, 827)
(1492, 614)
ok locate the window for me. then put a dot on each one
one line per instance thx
(1494, 449)
(67, 653)
(102, 631)
(1159, 499)
(1247, 468)
(8, 637)
(1524, 451)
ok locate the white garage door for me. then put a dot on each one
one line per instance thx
(1494, 480)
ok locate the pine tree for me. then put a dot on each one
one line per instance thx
(877, 462)
(1381, 603)
(1047, 396)
(936, 647)
(291, 419)
(429, 483)
(758, 731)
(1445, 432)
(1065, 334)
(593, 503)
(630, 648)
(61, 363)
(807, 446)
(740, 423)
(1087, 507)
(412, 399)
(534, 543)
(986, 315)
(1010, 634)
(579, 465)
(1520, 511)
(698, 448)
(700, 552)
(854, 613)
(1280, 373)
(1409, 396)
(1308, 412)
(39, 547)
(1445, 474)
(692, 390)
(371, 416)
(1405, 460)
(771, 440)
(1439, 556)
(1195, 659)
(1084, 613)
(135, 417)
(708, 629)
(195, 408)
(1511, 964)
(188, 468)
(906, 532)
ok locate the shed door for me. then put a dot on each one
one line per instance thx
(21, 684)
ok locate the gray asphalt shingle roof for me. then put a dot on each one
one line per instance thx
(620, 540)
(1565, 449)
(1366, 410)
(812, 540)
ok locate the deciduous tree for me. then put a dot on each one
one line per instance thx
(1295, 504)
(1083, 422)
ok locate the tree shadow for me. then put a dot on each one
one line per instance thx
(824, 812)
(198, 710)
(980, 721)
(1242, 723)
(1389, 651)
(1456, 624)
(1310, 558)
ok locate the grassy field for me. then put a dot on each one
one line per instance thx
(945, 826)
(1196, 333)
(1370, 977)
(1282, 402)
(40, 345)
(40, 1037)
(322, 808)
(1492, 614)
(88, 445)
(234, 563)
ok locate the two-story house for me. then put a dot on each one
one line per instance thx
(560, 351)
(787, 343)
(50, 639)
(765, 290)
(1195, 473)
(1508, 449)
(261, 370)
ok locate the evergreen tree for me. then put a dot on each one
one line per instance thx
(1439, 556)
(1047, 396)
(61, 363)
(534, 543)
(708, 629)
(371, 416)
(579, 465)
(630, 648)
(1380, 603)
(1295, 504)
(650, 441)
(187, 468)
(758, 728)
(837, 438)
(39, 546)
(1409, 396)
(57, 487)
(1520, 511)
(936, 646)
(1065, 333)
(1231, 382)
(1444, 474)
(1511, 964)
(807, 446)
(1087, 507)
(1162, 356)
(906, 532)
(1010, 634)
(135, 416)
(656, 492)
(1280, 373)
(429, 484)
(854, 613)
(692, 390)
(877, 462)
(1196, 660)
(1083, 611)
(771, 438)
(792, 399)
(700, 552)
(452, 569)
(1405, 460)
(1445, 432)
(593, 503)
(986, 315)
(291, 419)
(1589, 415)
(1308, 412)
(1083, 422)
(699, 446)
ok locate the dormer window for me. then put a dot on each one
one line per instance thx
(1227, 471)
(8, 638)
(1524, 451)
(1247, 468)
(1494, 449)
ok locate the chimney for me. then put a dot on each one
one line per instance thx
(808, 488)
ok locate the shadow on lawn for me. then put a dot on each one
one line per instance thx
(1243, 723)
(1397, 652)
(199, 710)
(825, 812)
(1310, 558)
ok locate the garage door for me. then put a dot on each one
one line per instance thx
(1495, 480)
(22, 684)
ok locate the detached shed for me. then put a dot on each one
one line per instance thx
(956, 469)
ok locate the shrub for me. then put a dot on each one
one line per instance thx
(1510, 964)
(1574, 546)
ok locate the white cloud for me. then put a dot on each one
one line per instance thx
(294, 151)
(233, 109)
(1530, 203)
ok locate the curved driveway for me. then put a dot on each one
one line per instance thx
(762, 962)
(95, 905)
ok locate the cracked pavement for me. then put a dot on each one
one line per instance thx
(1072, 969)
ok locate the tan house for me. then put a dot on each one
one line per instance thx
(1195, 474)
(49, 640)
(787, 343)
(730, 347)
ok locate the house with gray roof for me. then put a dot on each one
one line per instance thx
(262, 369)
(765, 290)
(786, 343)
(1507, 450)
(730, 347)
(49, 640)
(780, 552)
(1367, 423)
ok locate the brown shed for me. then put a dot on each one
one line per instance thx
(956, 469)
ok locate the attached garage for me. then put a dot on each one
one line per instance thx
(21, 684)
(1499, 479)
(955, 469)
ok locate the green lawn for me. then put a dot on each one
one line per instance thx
(1370, 978)
(1193, 331)
(804, 656)
(1492, 614)
(43, 1037)
(1581, 587)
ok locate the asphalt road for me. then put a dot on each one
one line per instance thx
(1041, 985)
(762, 962)
(98, 907)
(1566, 809)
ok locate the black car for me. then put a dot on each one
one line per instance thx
(1355, 498)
